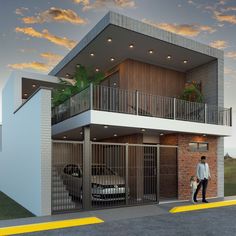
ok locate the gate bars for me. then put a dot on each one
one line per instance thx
(104, 175)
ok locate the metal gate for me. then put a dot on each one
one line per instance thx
(67, 176)
(119, 174)
(124, 174)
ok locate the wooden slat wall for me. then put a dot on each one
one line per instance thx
(135, 75)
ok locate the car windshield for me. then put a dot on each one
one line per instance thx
(101, 170)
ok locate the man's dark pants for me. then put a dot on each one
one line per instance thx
(203, 183)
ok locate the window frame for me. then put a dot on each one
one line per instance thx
(198, 147)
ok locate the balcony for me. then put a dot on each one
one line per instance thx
(109, 99)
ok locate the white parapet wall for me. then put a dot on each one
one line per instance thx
(25, 160)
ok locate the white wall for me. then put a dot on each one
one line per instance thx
(25, 161)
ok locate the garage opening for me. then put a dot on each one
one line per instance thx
(120, 175)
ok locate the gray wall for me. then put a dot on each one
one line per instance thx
(208, 76)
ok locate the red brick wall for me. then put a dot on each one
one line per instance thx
(187, 161)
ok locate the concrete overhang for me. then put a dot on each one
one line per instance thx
(102, 118)
(125, 31)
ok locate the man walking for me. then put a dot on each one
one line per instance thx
(203, 175)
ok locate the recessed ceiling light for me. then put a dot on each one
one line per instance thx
(105, 126)
(94, 139)
(115, 135)
(34, 85)
(97, 69)
(92, 54)
(151, 51)
(25, 94)
(109, 40)
(112, 59)
(161, 134)
(143, 130)
(65, 137)
(67, 75)
(185, 61)
(169, 57)
(131, 46)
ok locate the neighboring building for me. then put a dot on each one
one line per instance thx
(127, 141)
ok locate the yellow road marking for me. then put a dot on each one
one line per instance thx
(49, 226)
(202, 206)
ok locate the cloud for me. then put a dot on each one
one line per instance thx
(55, 15)
(83, 2)
(231, 55)
(220, 44)
(20, 11)
(229, 9)
(45, 34)
(52, 58)
(190, 30)
(98, 4)
(224, 17)
(31, 65)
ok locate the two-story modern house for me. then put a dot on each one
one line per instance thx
(129, 140)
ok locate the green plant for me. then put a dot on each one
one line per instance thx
(192, 93)
(81, 79)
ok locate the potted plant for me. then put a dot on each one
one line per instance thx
(192, 93)
(80, 80)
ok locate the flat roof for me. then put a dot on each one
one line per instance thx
(95, 51)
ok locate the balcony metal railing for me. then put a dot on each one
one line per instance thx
(102, 98)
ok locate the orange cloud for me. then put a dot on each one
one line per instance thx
(83, 2)
(231, 55)
(31, 65)
(220, 44)
(224, 17)
(190, 30)
(87, 5)
(45, 34)
(55, 15)
(52, 58)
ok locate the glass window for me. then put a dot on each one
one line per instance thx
(198, 147)
(193, 147)
(203, 147)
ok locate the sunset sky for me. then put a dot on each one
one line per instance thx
(36, 34)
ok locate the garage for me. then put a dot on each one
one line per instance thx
(118, 174)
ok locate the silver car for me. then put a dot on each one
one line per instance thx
(106, 185)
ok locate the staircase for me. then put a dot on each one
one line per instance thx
(60, 196)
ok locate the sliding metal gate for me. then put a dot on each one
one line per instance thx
(67, 176)
(124, 174)
(120, 174)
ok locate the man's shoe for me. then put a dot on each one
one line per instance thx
(205, 201)
(195, 200)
